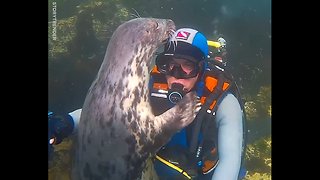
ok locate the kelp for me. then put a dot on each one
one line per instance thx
(258, 159)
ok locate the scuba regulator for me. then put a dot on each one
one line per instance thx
(176, 93)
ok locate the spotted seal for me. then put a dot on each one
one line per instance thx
(117, 130)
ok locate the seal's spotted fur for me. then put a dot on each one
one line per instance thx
(117, 130)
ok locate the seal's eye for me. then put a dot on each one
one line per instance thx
(157, 25)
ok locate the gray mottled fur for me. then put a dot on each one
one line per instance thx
(117, 130)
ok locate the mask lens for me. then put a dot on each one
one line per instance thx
(177, 67)
(185, 65)
(162, 63)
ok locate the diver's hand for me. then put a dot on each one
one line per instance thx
(59, 127)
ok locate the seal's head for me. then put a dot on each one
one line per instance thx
(145, 33)
(133, 46)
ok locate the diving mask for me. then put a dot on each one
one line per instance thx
(178, 66)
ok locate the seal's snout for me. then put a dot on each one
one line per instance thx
(171, 25)
(169, 21)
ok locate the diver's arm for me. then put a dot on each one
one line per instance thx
(76, 118)
(61, 126)
(230, 137)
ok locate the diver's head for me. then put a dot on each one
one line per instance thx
(183, 59)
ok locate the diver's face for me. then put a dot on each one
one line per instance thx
(187, 67)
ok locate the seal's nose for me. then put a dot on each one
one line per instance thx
(171, 24)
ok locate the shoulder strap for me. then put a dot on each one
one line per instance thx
(203, 112)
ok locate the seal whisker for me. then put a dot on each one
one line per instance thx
(136, 15)
(172, 32)
(172, 40)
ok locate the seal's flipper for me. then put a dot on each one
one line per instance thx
(187, 108)
(176, 118)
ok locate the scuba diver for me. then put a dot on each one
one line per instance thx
(213, 145)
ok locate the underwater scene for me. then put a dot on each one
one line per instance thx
(78, 35)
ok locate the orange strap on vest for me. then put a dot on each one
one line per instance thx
(210, 84)
(158, 85)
